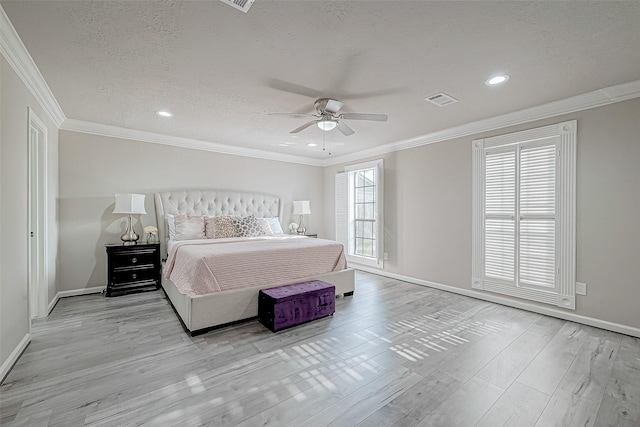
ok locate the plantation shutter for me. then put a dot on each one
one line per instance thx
(379, 225)
(523, 227)
(342, 209)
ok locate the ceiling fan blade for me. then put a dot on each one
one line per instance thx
(304, 126)
(346, 130)
(333, 106)
(293, 88)
(364, 116)
(347, 96)
(292, 114)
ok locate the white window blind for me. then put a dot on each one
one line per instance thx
(524, 214)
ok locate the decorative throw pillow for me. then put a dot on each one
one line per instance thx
(223, 227)
(266, 228)
(189, 227)
(274, 223)
(209, 232)
(248, 226)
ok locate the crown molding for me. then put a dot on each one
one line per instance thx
(196, 144)
(597, 98)
(16, 54)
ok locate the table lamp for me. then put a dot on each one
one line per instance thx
(129, 204)
(301, 207)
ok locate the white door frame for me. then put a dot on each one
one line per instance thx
(37, 207)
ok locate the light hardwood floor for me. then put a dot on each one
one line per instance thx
(394, 354)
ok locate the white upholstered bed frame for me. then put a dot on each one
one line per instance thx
(202, 312)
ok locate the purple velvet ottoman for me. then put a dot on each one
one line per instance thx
(290, 305)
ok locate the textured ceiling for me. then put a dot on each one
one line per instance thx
(221, 71)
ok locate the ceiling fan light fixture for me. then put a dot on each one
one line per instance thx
(327, 125)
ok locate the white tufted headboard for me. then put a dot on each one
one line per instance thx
(214, 203)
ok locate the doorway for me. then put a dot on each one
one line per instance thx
(37, 200)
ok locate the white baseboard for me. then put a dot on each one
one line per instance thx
(548, 311)
(13, 357)
(73, 293)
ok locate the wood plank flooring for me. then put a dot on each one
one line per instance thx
(394, 354)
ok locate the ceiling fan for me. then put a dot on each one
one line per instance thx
(327, 117)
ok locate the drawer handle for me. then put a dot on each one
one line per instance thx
(134, 275)
(134, 260)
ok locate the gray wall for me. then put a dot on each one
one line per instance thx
(15, 99)
(428, 210)
(94, 168)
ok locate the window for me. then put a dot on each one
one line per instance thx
(359, 212)
(524, 214)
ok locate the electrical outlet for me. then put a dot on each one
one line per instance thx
(581, 288)
(385, 256)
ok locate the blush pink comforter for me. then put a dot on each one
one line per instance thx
(200, 267)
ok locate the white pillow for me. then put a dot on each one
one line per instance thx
(266, 228)
(171, 223)
(274, 223)
(189, 227)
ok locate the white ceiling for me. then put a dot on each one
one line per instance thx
(221, 71)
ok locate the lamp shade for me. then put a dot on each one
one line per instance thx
(301, 207)
(129, 204)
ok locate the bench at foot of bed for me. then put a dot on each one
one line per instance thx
(290, 305)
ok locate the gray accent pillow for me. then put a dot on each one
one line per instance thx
(248, 226)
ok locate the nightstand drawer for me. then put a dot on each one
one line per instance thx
(133, 258)
(133, 274)
(127, 288)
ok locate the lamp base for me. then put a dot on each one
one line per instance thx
(301, 229)
(129, 237)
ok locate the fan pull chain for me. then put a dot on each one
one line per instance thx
(323, 140)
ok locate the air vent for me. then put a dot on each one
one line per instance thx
(441, 99)
(242, 5)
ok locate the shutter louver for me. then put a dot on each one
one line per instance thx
(499, 249)
(499, 227)
(537, 215)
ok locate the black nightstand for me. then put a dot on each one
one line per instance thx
(134, 268)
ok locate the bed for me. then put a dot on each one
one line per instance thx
(200, 312)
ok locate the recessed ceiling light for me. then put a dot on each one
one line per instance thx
(496, 80)
(312, 144)
(164, 113)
